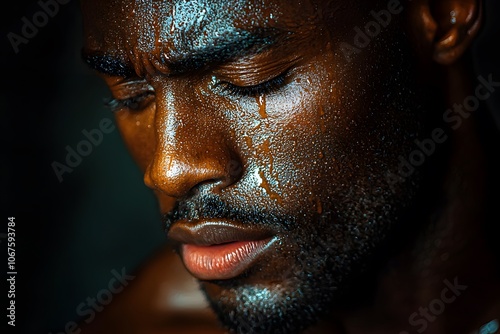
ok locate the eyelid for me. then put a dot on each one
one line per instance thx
(135, 103)
(128, 89)
(264, 88)
(253, 72)
(130, 95)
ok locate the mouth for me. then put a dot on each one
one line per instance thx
(219, 249)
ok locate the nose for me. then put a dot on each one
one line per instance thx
(191, 152)
(178, 173)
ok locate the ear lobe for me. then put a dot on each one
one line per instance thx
(451, 25)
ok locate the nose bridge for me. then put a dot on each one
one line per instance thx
(190, 152)
(185, 126)
(171, 120)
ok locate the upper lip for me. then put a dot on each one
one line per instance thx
(214, 232)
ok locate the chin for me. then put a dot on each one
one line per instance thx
(272, 307)
(286, 296)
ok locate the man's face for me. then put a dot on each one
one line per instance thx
(258, 133)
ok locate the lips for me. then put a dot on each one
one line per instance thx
(219, 249)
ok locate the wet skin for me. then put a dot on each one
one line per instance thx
(249, 113)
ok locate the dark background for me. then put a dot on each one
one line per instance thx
(71, 234)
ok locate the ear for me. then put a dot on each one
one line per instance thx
(450, 26)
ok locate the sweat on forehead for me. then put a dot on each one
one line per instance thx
(174, 29)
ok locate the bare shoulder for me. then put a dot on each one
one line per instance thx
(162, 298)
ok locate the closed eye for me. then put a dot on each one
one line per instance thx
(264, 88)
(134, 103)
(133, 95)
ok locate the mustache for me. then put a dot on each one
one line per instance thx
(212, 207)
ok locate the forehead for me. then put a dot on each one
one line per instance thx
(185, 26)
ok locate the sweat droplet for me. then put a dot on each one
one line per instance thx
(249, 142)
(261, 102)
(319, 206)
(172, 25)
(322, 125)
(272, 194)
(264, 150)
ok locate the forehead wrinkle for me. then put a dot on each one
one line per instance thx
(232, 47)
(198, 24)
(180, 25)
(180, 36)
(246, 45)
(186, 32)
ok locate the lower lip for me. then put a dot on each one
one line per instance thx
(225, 261)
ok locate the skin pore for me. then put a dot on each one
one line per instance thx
(250, 111)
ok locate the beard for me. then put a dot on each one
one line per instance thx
(322, 259)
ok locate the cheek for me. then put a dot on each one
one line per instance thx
(137, 130)
(288, 149)
(332, 132)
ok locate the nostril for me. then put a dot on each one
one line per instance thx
(211, 185)
(234, 170)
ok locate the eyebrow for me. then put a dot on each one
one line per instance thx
(107, 64)
(243, 43)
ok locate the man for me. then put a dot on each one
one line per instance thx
(322, 166)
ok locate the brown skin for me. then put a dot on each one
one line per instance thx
(307, 155)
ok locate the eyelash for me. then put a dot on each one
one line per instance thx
(264, 88)
(131, 103)
(267, 87)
